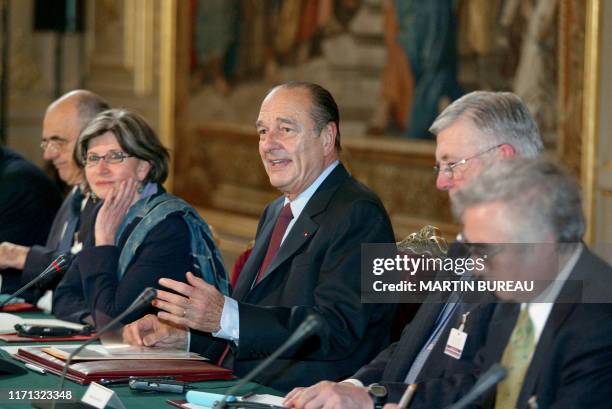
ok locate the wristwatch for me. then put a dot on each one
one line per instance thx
(378, 393)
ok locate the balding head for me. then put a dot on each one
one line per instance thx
(64, 120)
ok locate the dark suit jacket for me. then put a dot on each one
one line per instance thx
(392, 365)
(40, 257)
(28, 203)
(572, 363)
(317, 270)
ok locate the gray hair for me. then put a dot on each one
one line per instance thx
(538, 193)
(501, 117)
(134, 136)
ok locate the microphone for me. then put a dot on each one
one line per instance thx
(57, 266)
(145, 298)
(488, 380)
(308, 327)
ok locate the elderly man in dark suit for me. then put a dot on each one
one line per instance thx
(64, 120)
(555, 340)
(475, 132)
(306, 259)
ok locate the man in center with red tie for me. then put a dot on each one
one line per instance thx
(306, 260)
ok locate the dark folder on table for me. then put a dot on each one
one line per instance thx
(92, 371)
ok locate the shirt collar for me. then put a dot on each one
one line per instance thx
(551, 292)
(149, 189)
(299, 203)
(539, 310)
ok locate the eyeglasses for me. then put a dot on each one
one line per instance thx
(55, 144)
(479, 250)
(450, 167)
(111, 157)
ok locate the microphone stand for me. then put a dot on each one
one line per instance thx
(310, 325)
(57, 266)
(143, 299)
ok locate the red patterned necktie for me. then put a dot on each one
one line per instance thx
(280, 228)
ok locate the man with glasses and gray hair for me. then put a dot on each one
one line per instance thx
(478, 130)
(475, 132)
(63, 121)
(555, 340)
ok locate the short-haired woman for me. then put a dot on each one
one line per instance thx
(140, 233)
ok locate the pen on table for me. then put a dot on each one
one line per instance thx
(407, 396)
(35, 368)
(115, 381)
(247, 395)
(533, 402)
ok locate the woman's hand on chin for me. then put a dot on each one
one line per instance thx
(113, 210)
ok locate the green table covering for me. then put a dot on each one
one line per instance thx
(32, 381)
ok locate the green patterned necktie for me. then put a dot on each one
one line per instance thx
(516, 359)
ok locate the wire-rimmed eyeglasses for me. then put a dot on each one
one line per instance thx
(55, 144)
(111, 157)
(450, 167)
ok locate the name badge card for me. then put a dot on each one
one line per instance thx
(99, 397)
(456, 339)
(455, 343)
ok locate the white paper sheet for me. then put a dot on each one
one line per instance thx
(12, 350)
(99, 352)
(8, 321)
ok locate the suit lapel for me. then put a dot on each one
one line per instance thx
(558, 316)
(305, 226)
(409, 349)
(251, 267)
(303, 229)
(502, 324)
(71, 216)
(60, 222)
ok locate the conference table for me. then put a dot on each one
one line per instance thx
(33, 381)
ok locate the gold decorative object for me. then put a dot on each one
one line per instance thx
(144, 42)
(590, 115)
(428, 240)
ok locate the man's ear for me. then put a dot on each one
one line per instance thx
(143, 169)
(328, 136)
(507, 150)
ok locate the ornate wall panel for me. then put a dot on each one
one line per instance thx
(572, 18)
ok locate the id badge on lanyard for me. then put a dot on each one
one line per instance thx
(456, 339)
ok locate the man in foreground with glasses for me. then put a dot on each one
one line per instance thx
(554, 341)
(62, 124)
(474, 132)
